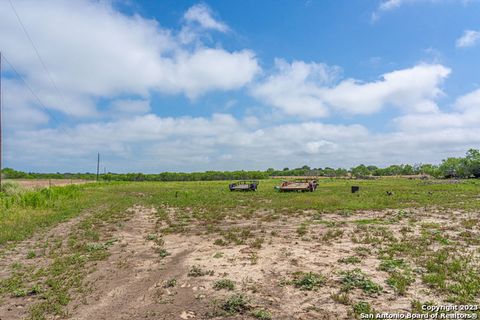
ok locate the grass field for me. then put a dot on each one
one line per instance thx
(178, 250)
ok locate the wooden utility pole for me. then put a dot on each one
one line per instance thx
(1, 121)
(98, 165)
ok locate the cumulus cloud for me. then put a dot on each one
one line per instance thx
(150, 143)
(182, 142)
(303, 89)
(465, 116)
(469, 39)
(202, 15)
(295, 88)
(99, 52)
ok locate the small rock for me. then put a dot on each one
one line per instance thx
(187, 315)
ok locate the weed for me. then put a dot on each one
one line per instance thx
(19, 293)
(332, 234)
(257, 243)
(220, 242)
(31, 254)
(196, 271)
(262, 314)
(302, 229)
(342, 298)
(391, 264)
(362, 307)
(218, 255)
(400, 281)
(345, 213)
(151, 237)
(162, 253)
(170, 283)
(357, 279)
(308, 281)
(253, 258)
(363, 251)
(224, 284)
(237, 303)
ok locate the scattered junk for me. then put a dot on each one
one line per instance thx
(355, 189)
(244, 185)
(300, 185)
(389, 193)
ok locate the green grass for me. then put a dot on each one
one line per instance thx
(196, 271)
(88, 241)
(357, 279)
(362, 307)
(262, 314)
(207, 204)
(308, 280)
(236, 303)
(224, 284)
(331, 195)
(25, 212)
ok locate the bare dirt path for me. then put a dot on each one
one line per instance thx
(130, 284)
(40, 246)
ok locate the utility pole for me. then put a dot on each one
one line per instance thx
(1, 121)
(98, 165)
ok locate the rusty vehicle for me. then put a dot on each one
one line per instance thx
(244, 185)
(300, 185)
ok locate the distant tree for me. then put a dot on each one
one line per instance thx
(329, 172)
(407, 169)
(360, 171)
(429, 169)
(473, 163)
(453, 168)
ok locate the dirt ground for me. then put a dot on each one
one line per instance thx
(137, 282)
(41, 183)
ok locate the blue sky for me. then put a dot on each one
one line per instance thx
(224, 85)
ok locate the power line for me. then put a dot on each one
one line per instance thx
(37, 53)
(32, 92)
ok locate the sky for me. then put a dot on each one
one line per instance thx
(179, 85)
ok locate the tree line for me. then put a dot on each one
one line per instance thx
(462, 167)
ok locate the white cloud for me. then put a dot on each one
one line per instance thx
(465, 116)
(130, 106)
(469, 39)
(208, 69)
(305, 90)
(295, 87)
(469, 101)
(99, 52)
(390, 5)
(202, 15)
(386, 5)
(150, 143)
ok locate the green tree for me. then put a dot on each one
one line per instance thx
(473, 162)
